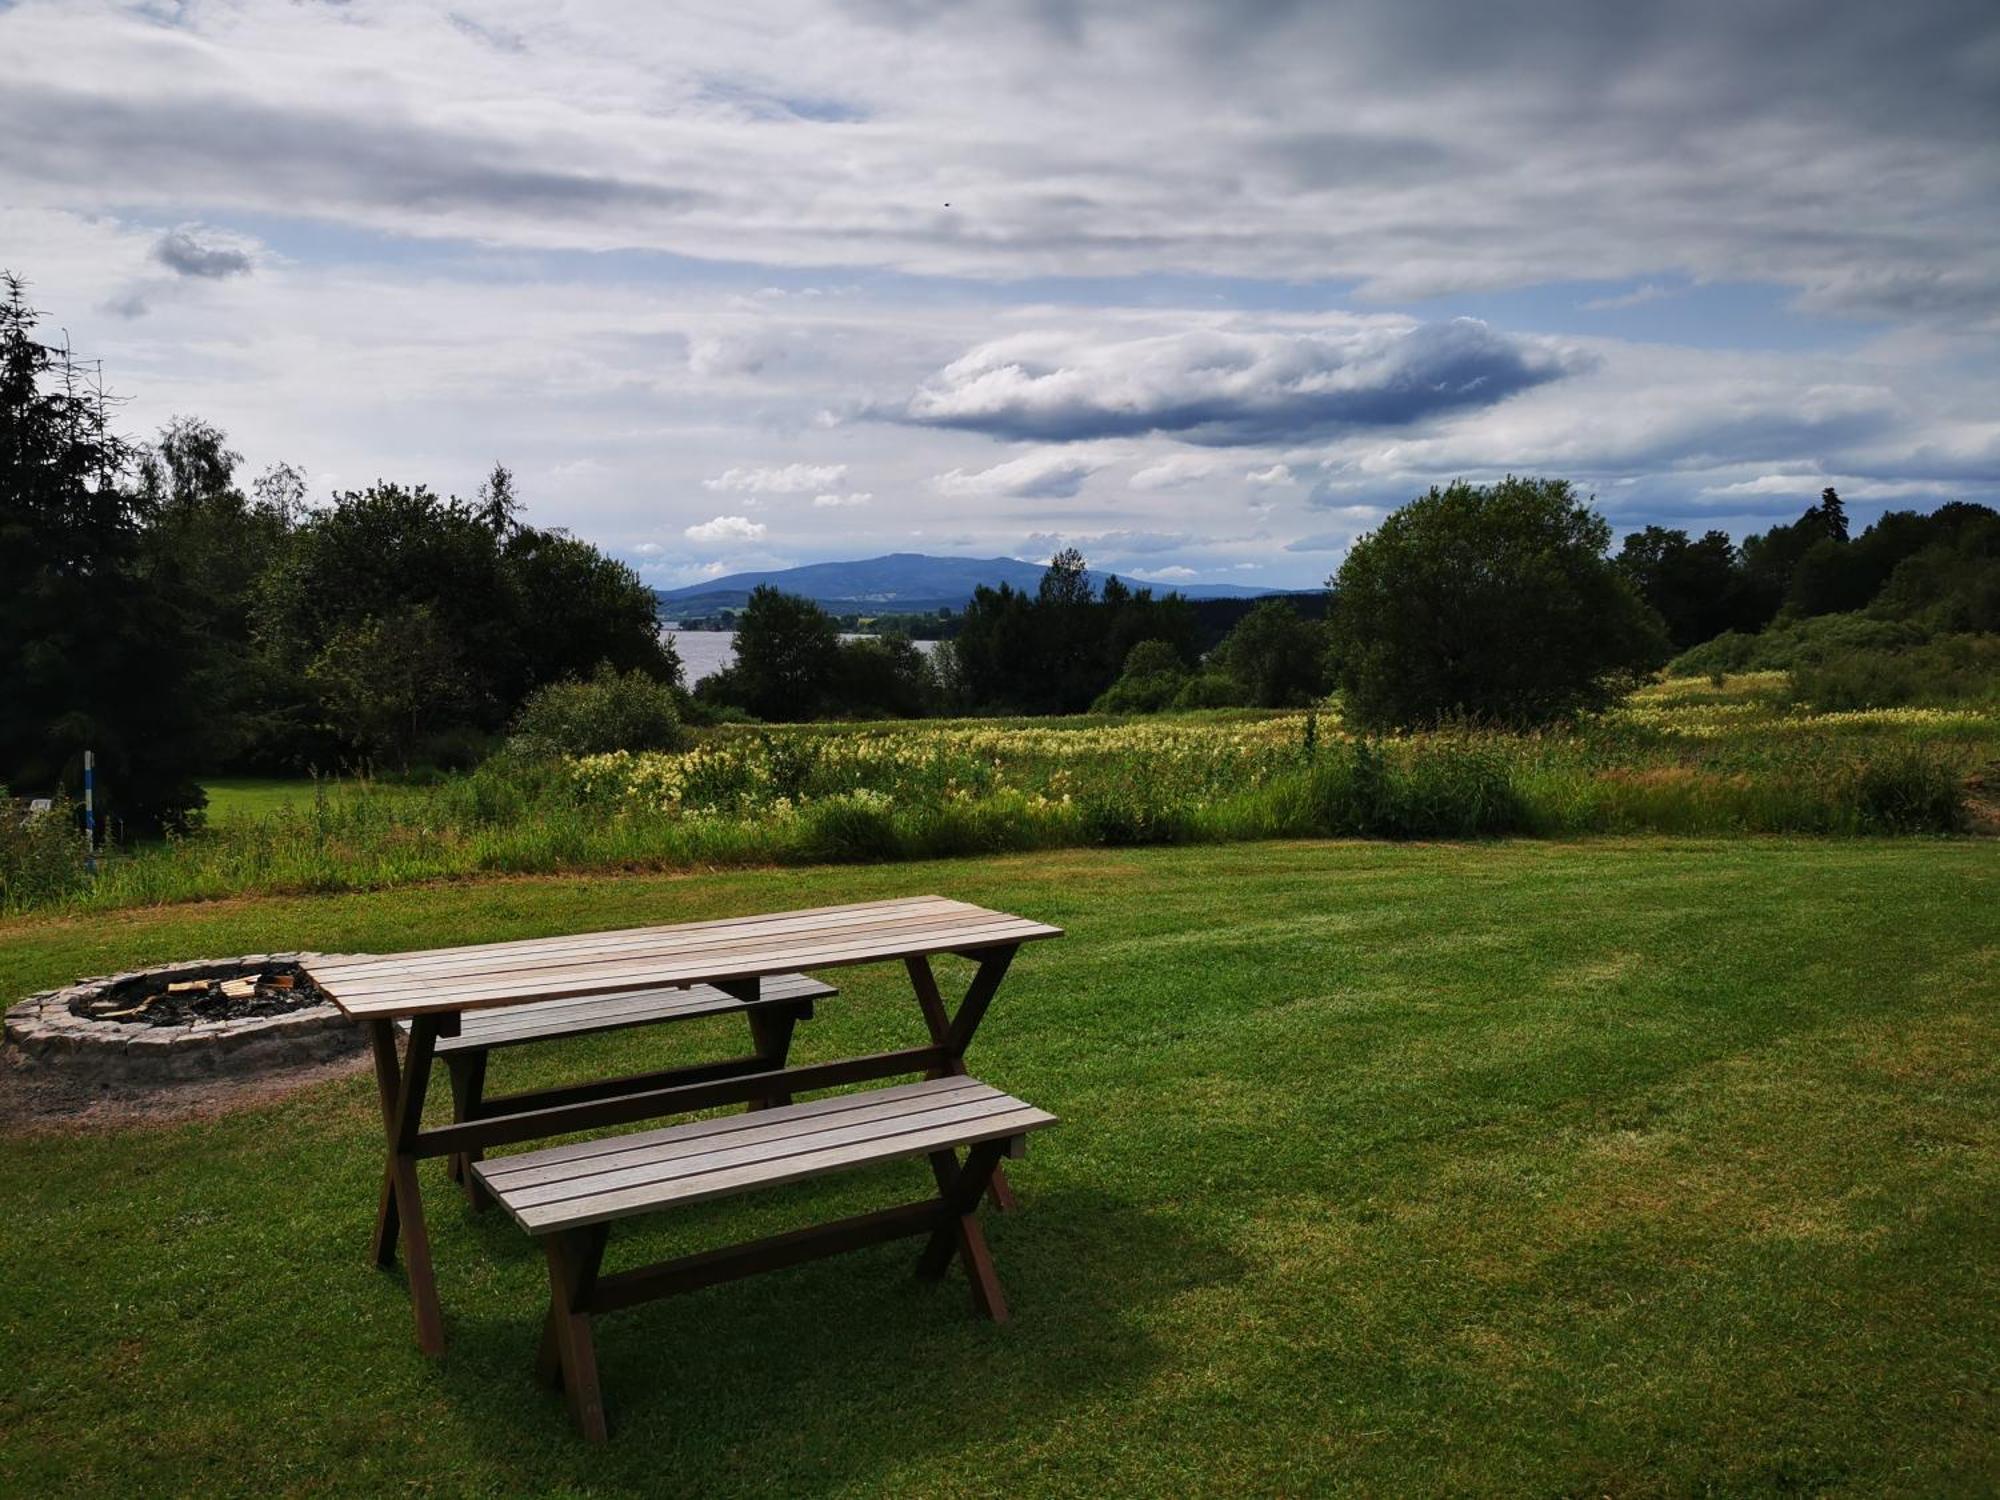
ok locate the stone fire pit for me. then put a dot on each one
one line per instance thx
(227, 1017)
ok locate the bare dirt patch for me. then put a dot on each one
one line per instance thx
(38, 1100)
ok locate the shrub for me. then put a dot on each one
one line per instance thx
(1909, 792)
(1211, 690)
(612, 711)
(1154, 675)
(1950, 669)
(42, 856)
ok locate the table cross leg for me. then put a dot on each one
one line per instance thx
(467, 1070)
(400, 1212)
(959, 1189)
(574, 1258)
(992, 969)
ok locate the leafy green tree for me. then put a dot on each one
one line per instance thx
(1279, 658)
(1058, 650)
(787, 653)
(883, 677)
(1490, 601)
(95, 653)
(208, 545)
(390, 681)
(571, 608)
(1699, 586)
(515, 606)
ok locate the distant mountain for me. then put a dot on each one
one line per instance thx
(901, 583)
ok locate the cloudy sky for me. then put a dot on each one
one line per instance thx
(1202, 288)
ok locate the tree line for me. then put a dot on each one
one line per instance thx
(157, 611)
(1498, 604)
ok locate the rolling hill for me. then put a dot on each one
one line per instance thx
(901, 582)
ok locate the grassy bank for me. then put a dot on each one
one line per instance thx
(1628, 1167)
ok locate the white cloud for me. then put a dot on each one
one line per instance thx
(1172, 473)
(1053, 474)
(834, 500)
(779, 479)
(727, 529)
(1275, 474)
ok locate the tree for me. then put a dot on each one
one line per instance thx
(517, 607)
(1277, 657)
(207, 545)
(572, 609)
(1491, 601)
(390, 681)
(787, 651)
(1832, 514)
(1058, 650)
(882, 677)
(94, 652)
(1698, 587)
(497, 506)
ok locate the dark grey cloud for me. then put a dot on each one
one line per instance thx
(186, 252)
(238, 148)
(1226, 389)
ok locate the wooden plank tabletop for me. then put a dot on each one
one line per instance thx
(598, 963)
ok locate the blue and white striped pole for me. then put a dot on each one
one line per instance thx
(90, 810)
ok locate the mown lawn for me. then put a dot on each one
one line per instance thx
(1631, 1168)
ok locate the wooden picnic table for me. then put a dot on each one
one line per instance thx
(431, 990)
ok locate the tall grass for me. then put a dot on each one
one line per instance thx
(912, 792)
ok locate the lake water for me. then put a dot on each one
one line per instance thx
(706, 652)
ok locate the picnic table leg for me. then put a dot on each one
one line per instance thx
(770, 1031)
(574, 1257)
(930, 1001)
(400, 1214)
(468, 1088)
(961, 1188)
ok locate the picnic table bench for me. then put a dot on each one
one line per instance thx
(454, 1002)
(781, 1003)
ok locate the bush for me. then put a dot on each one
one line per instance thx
(41, 854)
(1794, 643)
(1212, 690)
(1952, 669)
(612, 711)
(1909, 792)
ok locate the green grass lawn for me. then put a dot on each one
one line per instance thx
(237, 797)
(1615, 1168)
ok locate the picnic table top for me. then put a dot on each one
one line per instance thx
(385, 986)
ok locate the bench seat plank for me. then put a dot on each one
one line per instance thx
(545, 1020)
(568, 1187)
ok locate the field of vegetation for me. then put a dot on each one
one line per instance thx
(1613, 1167)
(1687, 755)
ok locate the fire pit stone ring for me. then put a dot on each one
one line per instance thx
(97, 1029)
